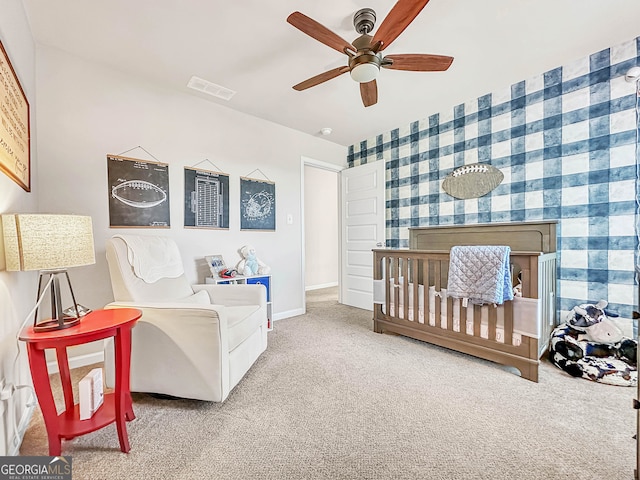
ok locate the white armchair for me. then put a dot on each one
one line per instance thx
(192, 341)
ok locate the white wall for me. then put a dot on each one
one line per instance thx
(17, 289)
(321, 227)
(87, 111)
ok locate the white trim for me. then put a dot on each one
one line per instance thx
(304, 161)
(22, 426)
(323, 285)
(78, 361)
(320, 164)
(288, 314)
(341, 236)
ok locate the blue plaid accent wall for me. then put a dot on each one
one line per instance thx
(565, 141)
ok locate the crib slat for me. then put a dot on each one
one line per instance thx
(425, 282)
(464, 312)
(526, 281)
(508, 322)
(493, 322)
(415, 263)
(437, 284)
(477, 318)
(396, 289)
(405, 287)
(387, 285)
(450, 314)
(425, 272)
(533, 278)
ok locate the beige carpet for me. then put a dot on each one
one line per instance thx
(331, 399)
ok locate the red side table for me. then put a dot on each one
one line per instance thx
(117, 406)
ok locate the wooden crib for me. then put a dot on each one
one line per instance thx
(410, 294)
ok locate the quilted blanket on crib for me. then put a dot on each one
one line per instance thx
(480, 273)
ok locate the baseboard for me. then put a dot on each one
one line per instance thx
(288, 314)
(322, 285)
(14, 450)
(78, 361)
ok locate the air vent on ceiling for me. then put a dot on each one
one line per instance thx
(209, 88)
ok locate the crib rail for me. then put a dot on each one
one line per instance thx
(414, 286)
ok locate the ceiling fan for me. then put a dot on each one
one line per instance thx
(365, 59)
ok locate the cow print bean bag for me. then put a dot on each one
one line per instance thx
(613, 364)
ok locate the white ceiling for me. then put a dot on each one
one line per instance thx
(249, 47)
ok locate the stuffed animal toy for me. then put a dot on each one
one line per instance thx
(517, 290)
(594, 324)
(591, 346)
(250, 263)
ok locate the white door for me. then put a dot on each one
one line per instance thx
(363, 219)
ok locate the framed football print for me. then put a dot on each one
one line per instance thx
(138, 193)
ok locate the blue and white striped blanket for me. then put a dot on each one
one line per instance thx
(480, 274)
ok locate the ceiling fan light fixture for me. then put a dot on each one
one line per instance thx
(364, 67)
(365, 72)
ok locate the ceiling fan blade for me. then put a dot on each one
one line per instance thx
(323, 77)
(369, 93)
(418, 62)
(399, 18)
(319, 32)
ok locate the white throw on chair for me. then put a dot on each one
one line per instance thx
(193, 341)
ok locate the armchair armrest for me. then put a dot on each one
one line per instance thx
(173, 305)
(181, 320)
(235, 294)
(175, 339)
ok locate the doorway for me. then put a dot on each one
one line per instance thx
(321, 228)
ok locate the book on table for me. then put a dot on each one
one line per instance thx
(91, 393)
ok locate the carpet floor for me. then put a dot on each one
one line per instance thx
(331, 399)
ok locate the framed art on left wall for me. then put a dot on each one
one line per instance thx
(15, 149)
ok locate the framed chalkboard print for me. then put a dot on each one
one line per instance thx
(15, 148)
(257, 204)
(138, 193)
(206, 199)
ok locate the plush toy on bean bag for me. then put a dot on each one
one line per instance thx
(250, 264)
(591, 346)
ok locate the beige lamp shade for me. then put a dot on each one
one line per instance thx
(45, 241)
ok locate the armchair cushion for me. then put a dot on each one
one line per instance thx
(242, 322)
(200, 298)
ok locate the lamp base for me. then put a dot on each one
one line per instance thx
(56, 324)
(58, 320)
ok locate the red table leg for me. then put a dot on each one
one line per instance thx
(40, 376)
(65, 377)
(124, 409)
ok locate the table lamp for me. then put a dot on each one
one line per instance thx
(51, 244)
